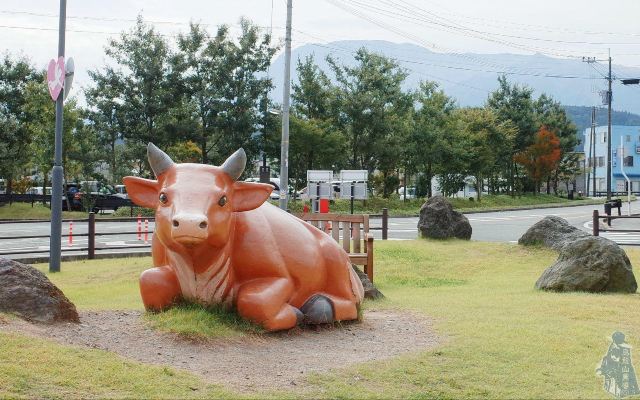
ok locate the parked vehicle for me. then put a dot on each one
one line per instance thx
(38, 190)
(411, 192)
(121, 191)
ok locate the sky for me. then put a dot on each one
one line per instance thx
(557, 28)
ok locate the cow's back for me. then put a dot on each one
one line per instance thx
(271, 242)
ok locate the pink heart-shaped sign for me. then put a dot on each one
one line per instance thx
(55, 77)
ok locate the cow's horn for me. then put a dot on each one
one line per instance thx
(158, 159)
(234, 165)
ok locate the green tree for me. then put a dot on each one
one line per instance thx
(105, 116)
(429, 149)
(373, 111)
(205, 65)
(144, 87)
(248, 86)
(514, 103)
(15, 74)
(39, 112)
(486, 140)
(311, 95)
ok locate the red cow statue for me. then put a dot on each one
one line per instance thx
(218, 242)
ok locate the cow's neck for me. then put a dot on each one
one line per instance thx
(205, 275)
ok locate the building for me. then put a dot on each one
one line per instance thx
(625, 149)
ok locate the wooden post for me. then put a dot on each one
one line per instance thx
(596, 223)
(385, 223)
(92, 236)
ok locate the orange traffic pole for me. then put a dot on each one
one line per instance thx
(139, 227)
(146, 230)
(70, 233)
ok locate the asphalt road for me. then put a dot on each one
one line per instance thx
(508, 226)
(504, 226)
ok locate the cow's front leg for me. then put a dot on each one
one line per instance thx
(159, 288)
(265, 301)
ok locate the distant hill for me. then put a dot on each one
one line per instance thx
(581, 116)
(469, 77)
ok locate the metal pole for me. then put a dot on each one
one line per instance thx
(609, 100)
(593, 140)
(55, 248)
(92, 236)
(353, 189)
(385, 223)
(596, 222)
(284, 146)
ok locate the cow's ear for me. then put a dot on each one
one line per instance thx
(248, 195)
(143, 192)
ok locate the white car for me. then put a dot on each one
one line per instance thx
(411, 192)
(275, 182)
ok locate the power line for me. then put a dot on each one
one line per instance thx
(499, 72)
(411, 16)
(526, 27)
(418, 14)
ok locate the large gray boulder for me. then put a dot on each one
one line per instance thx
(28, 293)
(589, 264)
(551, 231)
(438, 220)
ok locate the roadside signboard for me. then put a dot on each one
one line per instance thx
(319, 176)
(359, 190)
(357, 175)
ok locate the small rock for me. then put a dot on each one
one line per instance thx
(370, 291)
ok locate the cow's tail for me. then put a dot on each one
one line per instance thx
(356, 284)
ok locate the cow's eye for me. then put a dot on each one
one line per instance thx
(163, 198)
(222, 201)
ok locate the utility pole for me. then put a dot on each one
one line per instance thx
(593, 141)
(55, 248)
(609, 100)
(284, 146)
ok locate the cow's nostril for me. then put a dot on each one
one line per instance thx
(203, 224)
(176, 223)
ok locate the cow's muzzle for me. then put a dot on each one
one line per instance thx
(189, 229)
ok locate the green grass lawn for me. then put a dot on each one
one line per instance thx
(501, 337)
(398, 207)
(38, 211)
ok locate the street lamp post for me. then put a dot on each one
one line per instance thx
(55, 243)
(284, 146)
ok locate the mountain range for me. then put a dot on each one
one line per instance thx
(470, 77)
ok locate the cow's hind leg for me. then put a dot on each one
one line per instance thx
(345, 309)
(159, 288)
(265, 301)
(325, 308)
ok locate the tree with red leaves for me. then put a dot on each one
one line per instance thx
(541, 158)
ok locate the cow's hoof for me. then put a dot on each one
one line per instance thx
(317, 310)
(299, 316)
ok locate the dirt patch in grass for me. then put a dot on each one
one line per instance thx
(254, 363)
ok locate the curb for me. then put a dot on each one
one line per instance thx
(490, 210)
(78, 257)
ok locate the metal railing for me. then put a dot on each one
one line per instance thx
(91, 235)
(607, 218)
